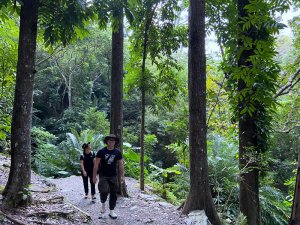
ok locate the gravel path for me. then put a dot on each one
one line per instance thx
(140, 208)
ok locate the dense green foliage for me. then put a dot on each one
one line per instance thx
(8, 58)
(47, 158)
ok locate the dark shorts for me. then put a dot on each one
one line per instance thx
(108, 184)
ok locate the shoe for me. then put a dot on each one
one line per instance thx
(102, 209)
(112, 214)
(86, 196)
(93, 198)
(101, 215)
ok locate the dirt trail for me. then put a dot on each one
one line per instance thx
(140, 208)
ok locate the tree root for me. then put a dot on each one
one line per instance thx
(56, 199)
(47, 213)
(40, 191)
(41, 222)
(83, 212)
(16, 222)
(181, 206)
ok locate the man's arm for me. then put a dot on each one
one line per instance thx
(121, 170)
(95, 170)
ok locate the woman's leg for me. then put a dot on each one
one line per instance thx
(85, 184)
(93, 191)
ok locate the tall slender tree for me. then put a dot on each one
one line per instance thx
(60, 23)
(199, 197)
(15, 192)
(252, 73)
(113, 11)
(148, 21)
(155, 36)
(248, 142)
(256, 77)
(117, 72)
(295, 215)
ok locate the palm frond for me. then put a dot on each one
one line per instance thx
(273, 209)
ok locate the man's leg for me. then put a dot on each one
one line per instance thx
(103, 187)
(113, 186)
(103, 197)
(112, 200)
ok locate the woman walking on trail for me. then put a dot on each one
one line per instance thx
(87, 165)
(108, 160)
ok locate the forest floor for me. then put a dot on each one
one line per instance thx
(61, 201)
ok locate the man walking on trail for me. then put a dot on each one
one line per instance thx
(108, 160)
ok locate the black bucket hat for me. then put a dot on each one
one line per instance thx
(111, 136)
(85, 145)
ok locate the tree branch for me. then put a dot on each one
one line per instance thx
(287, 130)
(50, 56)
(293, 80)
(218, 96)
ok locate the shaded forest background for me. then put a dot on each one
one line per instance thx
(72, 101)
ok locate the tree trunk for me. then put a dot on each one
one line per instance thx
(116, 110)
(248, 143)
(70, 91)
(142, 139)
(143, 105)
(295, 216)
(148, 21)
(199, 197)
(15, 193)
(249, 184)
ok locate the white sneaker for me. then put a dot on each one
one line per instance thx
(112, 214)
(102, 209)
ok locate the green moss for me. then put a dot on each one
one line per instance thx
(1, 188)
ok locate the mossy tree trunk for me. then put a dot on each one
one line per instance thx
(248, 143)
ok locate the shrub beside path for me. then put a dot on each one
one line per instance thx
(139, 209)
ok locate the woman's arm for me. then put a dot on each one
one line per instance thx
(82, 168)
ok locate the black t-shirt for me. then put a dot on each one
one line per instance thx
(108, 161)
(88, 161)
